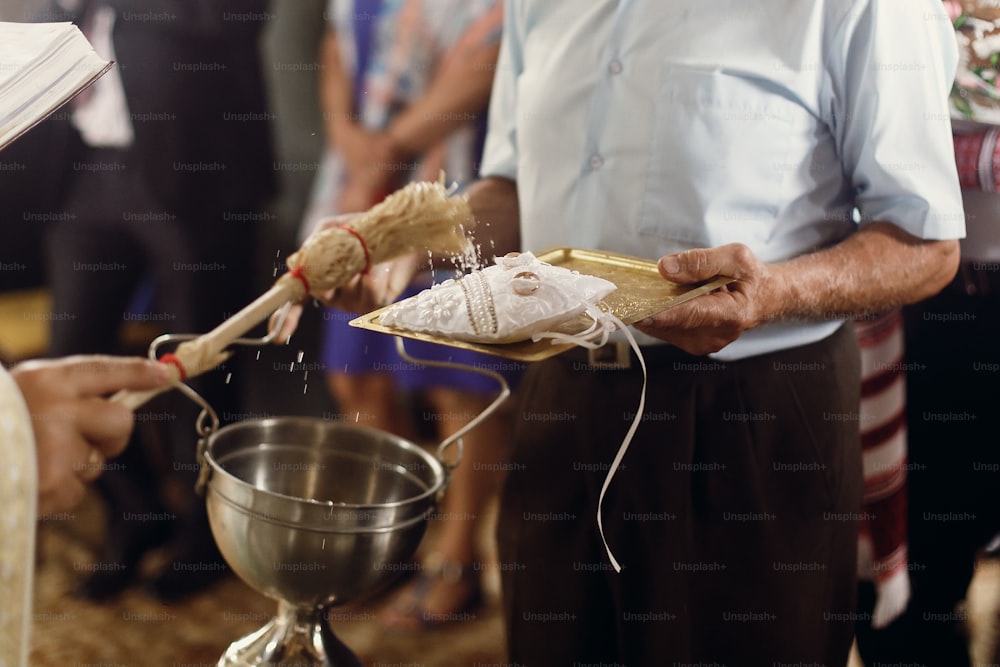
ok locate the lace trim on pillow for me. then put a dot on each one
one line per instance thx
(479, 305)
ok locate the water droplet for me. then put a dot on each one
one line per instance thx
(305, 376)
(305, 388)
(299, 357)
(229, 376)
(258, 356)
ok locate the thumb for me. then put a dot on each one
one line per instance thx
(700, 264)
(690, 266)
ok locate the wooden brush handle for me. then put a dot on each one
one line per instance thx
(209, 350)
(418, 216)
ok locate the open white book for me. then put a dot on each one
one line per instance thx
(42, 66)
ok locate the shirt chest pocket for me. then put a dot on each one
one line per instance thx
(719, 160)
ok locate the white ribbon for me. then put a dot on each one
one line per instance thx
(604, 324)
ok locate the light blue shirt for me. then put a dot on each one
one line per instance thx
(651, 126)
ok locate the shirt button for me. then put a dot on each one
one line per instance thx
(615, 66)
(596, 161)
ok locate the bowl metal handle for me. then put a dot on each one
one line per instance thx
(450, 463)
(207, 421)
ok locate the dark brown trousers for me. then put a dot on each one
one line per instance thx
(734, 513)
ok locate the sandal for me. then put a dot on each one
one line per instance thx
(410, 611)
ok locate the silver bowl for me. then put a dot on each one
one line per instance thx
(314, 513)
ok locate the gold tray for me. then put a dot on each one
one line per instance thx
(641, 292)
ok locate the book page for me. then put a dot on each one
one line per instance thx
(42, 66)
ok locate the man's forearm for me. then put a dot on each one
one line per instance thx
(879, 267)
(495, 206)
(875, 269)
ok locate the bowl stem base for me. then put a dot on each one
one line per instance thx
(298, 637)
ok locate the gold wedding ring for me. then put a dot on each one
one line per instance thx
(508, 260)
(526, 283)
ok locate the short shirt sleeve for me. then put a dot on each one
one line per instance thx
(500, 151)
(888, 56)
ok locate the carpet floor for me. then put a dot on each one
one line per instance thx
(136, 630)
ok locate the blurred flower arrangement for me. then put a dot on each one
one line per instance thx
(975, 95)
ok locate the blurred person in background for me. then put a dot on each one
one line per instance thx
(171, 164)
(404, 91)
(883, 564)
(952, 364)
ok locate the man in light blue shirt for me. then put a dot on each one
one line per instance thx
(802, 148)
